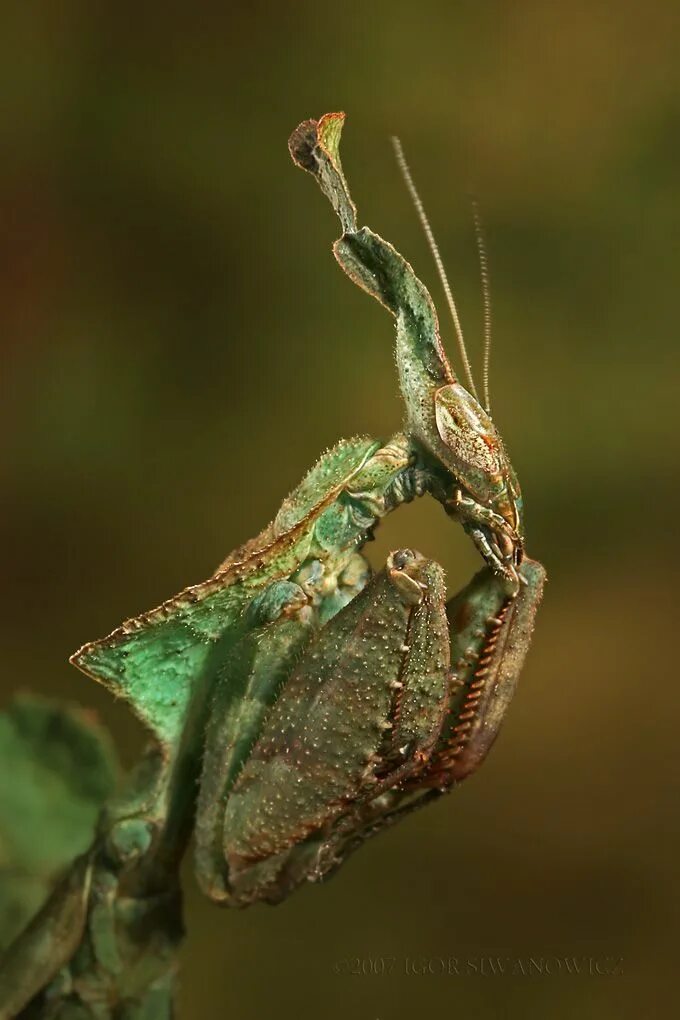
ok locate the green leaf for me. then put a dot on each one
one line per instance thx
(62, 768)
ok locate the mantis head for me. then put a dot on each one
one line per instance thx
(462, 438)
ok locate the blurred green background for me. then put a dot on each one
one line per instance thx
(178, 346)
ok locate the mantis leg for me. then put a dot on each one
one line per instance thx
(490, 635)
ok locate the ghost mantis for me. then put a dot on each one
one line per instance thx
(313, 703)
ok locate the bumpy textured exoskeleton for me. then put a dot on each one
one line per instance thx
(317, 704)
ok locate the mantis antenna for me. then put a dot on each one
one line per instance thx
(406, 174)
(486, 296)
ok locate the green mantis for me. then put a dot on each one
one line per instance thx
(315, 704)
(333, 703)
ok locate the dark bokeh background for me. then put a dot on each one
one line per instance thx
(178, 346)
